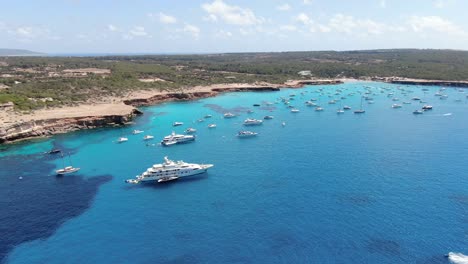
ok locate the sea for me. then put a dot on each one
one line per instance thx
(386, 186)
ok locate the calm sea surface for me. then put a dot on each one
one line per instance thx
(386, 186)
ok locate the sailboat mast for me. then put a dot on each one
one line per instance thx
(69, 158)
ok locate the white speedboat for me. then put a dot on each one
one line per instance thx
(177, 124)
(346, 107)
(174, 138)
(245, 134)
(211, 125)
(396, 106)
(169, 171)
(295, 110)
(229, 115)
(252, 122)
(418, 112)
(148, 137)
(208, 116)
(427, 107)
(190, 130)
(122, 140)
(136, 132)
(340, 111)
(318, 109)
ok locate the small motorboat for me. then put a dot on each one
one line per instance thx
(148, 137)
(211, 125)
(427, 107)
(295, 110)
(359, 111)
(396, 106)
(122, 140)
(256, 105)
(319, 109)
(177, 124)
(346, 107)
(208, 116)
(136, 132)
(229, 115)
(54, 151)
(268, 117)
(245, 134)
(283, 124)
(190, 130)
(418, 112)
(340, 111)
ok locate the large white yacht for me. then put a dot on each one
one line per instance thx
(174, 138)
(169, 171)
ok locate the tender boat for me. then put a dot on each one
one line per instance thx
(208, 116)
(177, 124)
(318, 109)
(294, 110)
(136, 132)
(229, 115)
(418, 112)
(396, 106)
(416, 99)
(169, 171)
(148, 137)
(211, 125)
(174, 138)
(340, 111)
(268, 117)
(252, 122)
(346, 107)
(244, 134)
(332, 102)
(256, 105)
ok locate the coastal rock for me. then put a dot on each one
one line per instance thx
(41, 128)
(160, 98)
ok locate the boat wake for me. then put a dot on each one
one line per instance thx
(448, 114)
(457, 258)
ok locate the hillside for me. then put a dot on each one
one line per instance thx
(19, 52)
(36, 82)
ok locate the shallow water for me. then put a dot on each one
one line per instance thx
(383, 187)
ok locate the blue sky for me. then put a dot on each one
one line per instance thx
(156, 26)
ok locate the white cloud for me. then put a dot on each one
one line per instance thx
(434, 23)
(192, 30)
(303, 18)
(307, 2)
(230, 14)
(167, 19)
(138, 31)
(348, 25)
(284, 7)
(111, 27)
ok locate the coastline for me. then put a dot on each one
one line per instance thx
(47, 122)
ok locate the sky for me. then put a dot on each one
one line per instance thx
(212, 26)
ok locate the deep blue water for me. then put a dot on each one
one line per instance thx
(383, 187)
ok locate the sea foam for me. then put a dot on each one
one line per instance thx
(457, 258)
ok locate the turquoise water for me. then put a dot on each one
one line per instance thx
(383, 187)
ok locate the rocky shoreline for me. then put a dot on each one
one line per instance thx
(48, 127)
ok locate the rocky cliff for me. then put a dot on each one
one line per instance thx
(41, 128)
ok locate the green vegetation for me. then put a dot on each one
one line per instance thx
(45, 83)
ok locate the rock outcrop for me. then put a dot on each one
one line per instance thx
(41, 128)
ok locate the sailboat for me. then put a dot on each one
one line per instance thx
(67, 169)
(360, 110)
